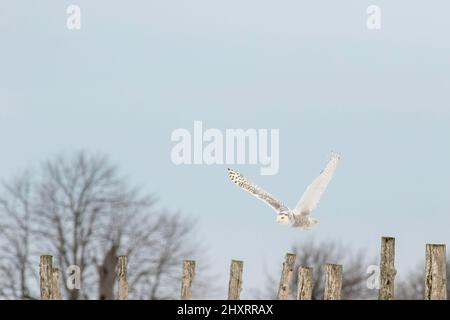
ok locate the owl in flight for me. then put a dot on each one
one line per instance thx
(298, 217)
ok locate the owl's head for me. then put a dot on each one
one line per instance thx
(283, 218)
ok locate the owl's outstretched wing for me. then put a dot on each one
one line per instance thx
(252, 188)
(314, 191)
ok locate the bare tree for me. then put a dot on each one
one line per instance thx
(316, 255)
(84, 213)
(15, 244)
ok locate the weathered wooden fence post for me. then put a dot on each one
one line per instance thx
(387, 269)
(45, 277)
(435, 272)
(304, 283)
(235, 283)
(56, 287)
(122, 266)
(333, 282)
(187, 278)
(286, 275)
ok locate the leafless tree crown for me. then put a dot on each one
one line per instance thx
(80, 210)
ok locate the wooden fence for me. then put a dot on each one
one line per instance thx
(435, 281)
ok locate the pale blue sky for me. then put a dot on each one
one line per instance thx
(138, 70)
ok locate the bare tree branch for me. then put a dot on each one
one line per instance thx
(81, 211)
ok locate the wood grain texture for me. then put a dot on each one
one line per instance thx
(333, 282)
(235, 283)
(286, 276)
(435, 272)
(387, 269)
(46, 277)
(56, 285)
(304, 283)
(187, 279)
(122, 269)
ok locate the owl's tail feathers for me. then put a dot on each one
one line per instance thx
(310, 224)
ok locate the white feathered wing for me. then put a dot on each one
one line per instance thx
(255, 190)
(314, 191)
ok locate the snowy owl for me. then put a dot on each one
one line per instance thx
(299, 217)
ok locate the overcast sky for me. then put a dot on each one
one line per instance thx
(138, 70)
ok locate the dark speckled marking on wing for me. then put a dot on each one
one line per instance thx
(252, 188)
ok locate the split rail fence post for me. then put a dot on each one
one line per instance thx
(304, 283)
(46, 277)
(286, 276)
(235, 283)
(122, 268)
(333, 282)
(387, 269)
(435, 272)
(187, 278)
